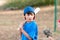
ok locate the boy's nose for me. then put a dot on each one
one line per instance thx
(29, 15)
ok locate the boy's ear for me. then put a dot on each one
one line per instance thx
(34, 17)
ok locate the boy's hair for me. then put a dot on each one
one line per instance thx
(29, 14)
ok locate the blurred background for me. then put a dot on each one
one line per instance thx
(11, 15)
(19, 4)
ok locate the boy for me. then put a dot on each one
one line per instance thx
(29, 30)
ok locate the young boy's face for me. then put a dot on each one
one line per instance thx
(29, 16)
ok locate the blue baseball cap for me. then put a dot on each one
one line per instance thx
(28, 9)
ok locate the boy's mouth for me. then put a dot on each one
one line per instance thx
(29, 19)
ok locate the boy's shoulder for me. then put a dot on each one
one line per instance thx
(34, 23)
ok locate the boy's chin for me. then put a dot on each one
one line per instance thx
(28, 20)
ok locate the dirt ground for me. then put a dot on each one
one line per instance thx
(10, 20)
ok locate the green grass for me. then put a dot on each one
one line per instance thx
(23, 3)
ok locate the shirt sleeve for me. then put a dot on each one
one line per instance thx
(34, 32)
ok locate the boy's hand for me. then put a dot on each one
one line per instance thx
(20, 25)
(30, 39)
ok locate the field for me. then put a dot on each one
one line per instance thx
(10, 20)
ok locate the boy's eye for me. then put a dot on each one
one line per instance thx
(30, 14)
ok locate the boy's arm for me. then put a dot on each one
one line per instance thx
(22, 31)
(26, 34)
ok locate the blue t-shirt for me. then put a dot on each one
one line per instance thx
(31, 29)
